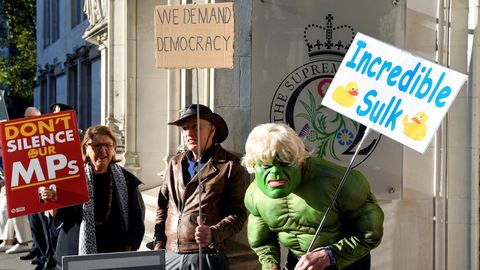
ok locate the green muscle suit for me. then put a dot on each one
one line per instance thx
(353, 227)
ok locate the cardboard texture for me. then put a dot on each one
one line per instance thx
(42, 152)
(194, 36)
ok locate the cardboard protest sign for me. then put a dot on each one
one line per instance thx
(392, 91)
(194, 36)
(39, 152)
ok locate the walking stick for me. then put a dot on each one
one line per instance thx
(337, 191)
(199, 178)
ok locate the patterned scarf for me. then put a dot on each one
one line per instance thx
(87, 243)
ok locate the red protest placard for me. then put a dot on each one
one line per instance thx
(39, 152)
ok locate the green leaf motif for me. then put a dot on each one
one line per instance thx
(323, 128)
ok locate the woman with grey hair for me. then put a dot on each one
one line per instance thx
(113, 218)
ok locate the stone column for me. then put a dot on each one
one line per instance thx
(103, 48)
(111, 121)
(130, 101)
(461, 179)
(174, 106)
(101, 33)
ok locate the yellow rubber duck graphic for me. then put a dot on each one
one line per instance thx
(415, 128)
(345, 96)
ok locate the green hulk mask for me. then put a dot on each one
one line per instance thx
(277, 180)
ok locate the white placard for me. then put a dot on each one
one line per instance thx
(393, 91)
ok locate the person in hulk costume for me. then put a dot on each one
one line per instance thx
(289, 197)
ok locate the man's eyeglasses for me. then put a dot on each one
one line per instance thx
(98, 146)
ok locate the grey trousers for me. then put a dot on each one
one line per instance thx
(211, 260)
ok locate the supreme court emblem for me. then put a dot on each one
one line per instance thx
(298, 97)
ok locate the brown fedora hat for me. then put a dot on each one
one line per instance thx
(221, 129)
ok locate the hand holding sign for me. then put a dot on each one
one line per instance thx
(43, 163)
(392, 91)
(49, 193)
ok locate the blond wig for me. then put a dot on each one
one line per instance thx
(268, 142)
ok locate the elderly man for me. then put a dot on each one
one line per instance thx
(35, 250)
(289, 197)
(179, 229)
(32, 111)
